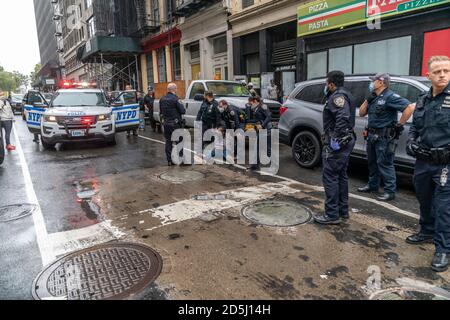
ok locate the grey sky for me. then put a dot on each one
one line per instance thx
(19, 48)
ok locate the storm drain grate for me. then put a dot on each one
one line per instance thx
(404, 293)
(106, 272)
(181, 176)
(277, 213)
(15, 212)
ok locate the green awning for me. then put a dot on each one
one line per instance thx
(110, 46)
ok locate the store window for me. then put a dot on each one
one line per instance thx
(391, 56)
(176, 62)
(317, 64)
(341, 59)
(150, 71)
(161, 53)
(252, 63)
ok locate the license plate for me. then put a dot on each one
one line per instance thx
(78, 133)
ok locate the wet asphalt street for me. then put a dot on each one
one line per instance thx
(88, 194)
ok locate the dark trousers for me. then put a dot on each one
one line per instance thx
(169, 128)
(381, 164)
(434, 200)
(335, 180)
(7, 126)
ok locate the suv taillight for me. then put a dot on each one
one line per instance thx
(283, 109)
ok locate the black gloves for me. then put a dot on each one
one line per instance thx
(371, 97)
(412, 147)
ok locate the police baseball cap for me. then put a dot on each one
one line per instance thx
(150, 88)
(385, 77)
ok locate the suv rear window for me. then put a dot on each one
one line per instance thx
(406, 91)
(312, 94)
(359, 90)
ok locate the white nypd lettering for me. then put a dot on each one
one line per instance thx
(126, 115)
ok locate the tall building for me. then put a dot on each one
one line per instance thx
(46, 28)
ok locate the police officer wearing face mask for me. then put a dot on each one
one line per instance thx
(429, 142)
(383, 132)
(231, 116)
(209, 113)
(339, 140)
(259, 115)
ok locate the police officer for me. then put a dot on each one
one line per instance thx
(149, 101)
(251, 88)
(209, 113)
(429, 142)
(339, 140)
(260, 117)
(383, 132)
(171, 111)
(231, 116)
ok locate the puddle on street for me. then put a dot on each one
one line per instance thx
(86, 190)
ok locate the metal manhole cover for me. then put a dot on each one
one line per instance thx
(277, 213)
(15, 212)
(181, 176)
(106, 272)
(405, 293)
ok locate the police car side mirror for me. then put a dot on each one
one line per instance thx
(199, 97)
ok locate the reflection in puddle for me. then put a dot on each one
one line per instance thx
(85, 192)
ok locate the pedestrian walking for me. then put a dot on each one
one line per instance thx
(339, 140)
(6, 122)
(429, 142)
(141, 102)
(383, 133)
(172, 111)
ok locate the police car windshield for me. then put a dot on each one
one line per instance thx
(17, 98)
(79, 99)
(225, 89)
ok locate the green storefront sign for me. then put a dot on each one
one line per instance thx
(323, 15)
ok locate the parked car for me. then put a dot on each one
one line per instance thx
(232, 91)
(16, 103)
(301, 122)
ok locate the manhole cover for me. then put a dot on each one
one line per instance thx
(277, 213)
(105, 272)
(404, 293)
(17, 211)
(182, 176)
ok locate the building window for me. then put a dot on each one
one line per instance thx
(391, 56)
(162, 75)
(252, 63)
(176, 62)
(150, 72)
(247, 3)
(220, 45)
(92, 27)
(195, 51)
(155, 12)
(317, 64)
(341, 59)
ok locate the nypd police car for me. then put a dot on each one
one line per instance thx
(82, 114)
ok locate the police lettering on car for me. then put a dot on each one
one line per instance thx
(339, 140)
(382, 134)
(429, 142)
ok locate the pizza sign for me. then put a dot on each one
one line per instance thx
(383, 7)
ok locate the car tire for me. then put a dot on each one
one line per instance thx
(306, 149)
(112, 142)
(47, 146)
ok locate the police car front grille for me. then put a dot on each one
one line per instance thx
(76, 121)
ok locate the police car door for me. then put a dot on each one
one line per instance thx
(35, 106)
(126, 111)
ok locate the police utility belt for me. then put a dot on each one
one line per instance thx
(343, 141)
(437, 156)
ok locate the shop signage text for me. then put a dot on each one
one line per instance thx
(322, 15)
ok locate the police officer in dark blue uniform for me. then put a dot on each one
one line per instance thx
(172, 112)
(259, 115)
(429, 142)
(339, 140)
(209, 113)
(382, 134)
(232, 118)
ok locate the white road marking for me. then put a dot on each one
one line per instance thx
(47, 254)
(191, 209)
(320, 189)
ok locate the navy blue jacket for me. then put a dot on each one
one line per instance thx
(171, 108)
(261, 115)
(383, 110)
(339, 114)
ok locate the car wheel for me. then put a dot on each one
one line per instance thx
(306, 149)
(47, 146)
(112, 142)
